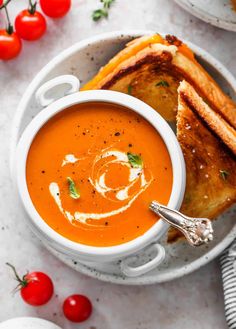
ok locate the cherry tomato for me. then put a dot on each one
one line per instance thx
(36, 288)
(30, 26)
(77, 308)
(55, 8)
(10, 45)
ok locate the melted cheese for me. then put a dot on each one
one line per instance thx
(133, 49)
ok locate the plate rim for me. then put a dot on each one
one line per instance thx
(210, 19)
(22, 108)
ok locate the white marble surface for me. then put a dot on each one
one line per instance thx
(195, 301)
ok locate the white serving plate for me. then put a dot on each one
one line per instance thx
(216, 12)
(83, 60)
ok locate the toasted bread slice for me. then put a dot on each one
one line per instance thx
(214, 120)
(150, 68)
(210, 165)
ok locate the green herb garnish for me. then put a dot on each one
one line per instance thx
(162, 83)
(135, 160)
(74, 193)
(187, 198)
(103, 12)
(224, 174)
(129, 89)
(99, 13)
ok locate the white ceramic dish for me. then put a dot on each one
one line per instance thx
(219, 13)
(84, 253)
(28, 323)
(83, 60)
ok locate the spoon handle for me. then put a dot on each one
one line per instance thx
(197, 231)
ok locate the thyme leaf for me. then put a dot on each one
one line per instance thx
(129, 89)
(162, 83)
(102, 12)
(224, 174)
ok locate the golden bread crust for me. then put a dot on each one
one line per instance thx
(210, 166)
(214, 120)
(207, 88)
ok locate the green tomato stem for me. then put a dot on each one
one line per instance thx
(9, 28)
(32, 7)
(5, 3)
(22, 282)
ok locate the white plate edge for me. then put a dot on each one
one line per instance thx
(213, 20)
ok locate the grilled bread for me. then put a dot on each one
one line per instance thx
(214, 120)
(210, 164)
(151, 67)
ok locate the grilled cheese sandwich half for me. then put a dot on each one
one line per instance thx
(151, 68)
(210, 163)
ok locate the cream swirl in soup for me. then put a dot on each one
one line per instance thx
(137, 182)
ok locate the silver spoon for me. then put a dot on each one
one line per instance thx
(197, 231)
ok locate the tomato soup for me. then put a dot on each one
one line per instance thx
(92, 171)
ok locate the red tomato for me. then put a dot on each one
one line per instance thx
(77, 308)
(55, 8)
(30, 26)
(10, 45)
(1, 2)
(36, 288)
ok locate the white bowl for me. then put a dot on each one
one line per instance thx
(28, 323)
(90, 253)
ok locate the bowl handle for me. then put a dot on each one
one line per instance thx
(71, 80)
(131, 271)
